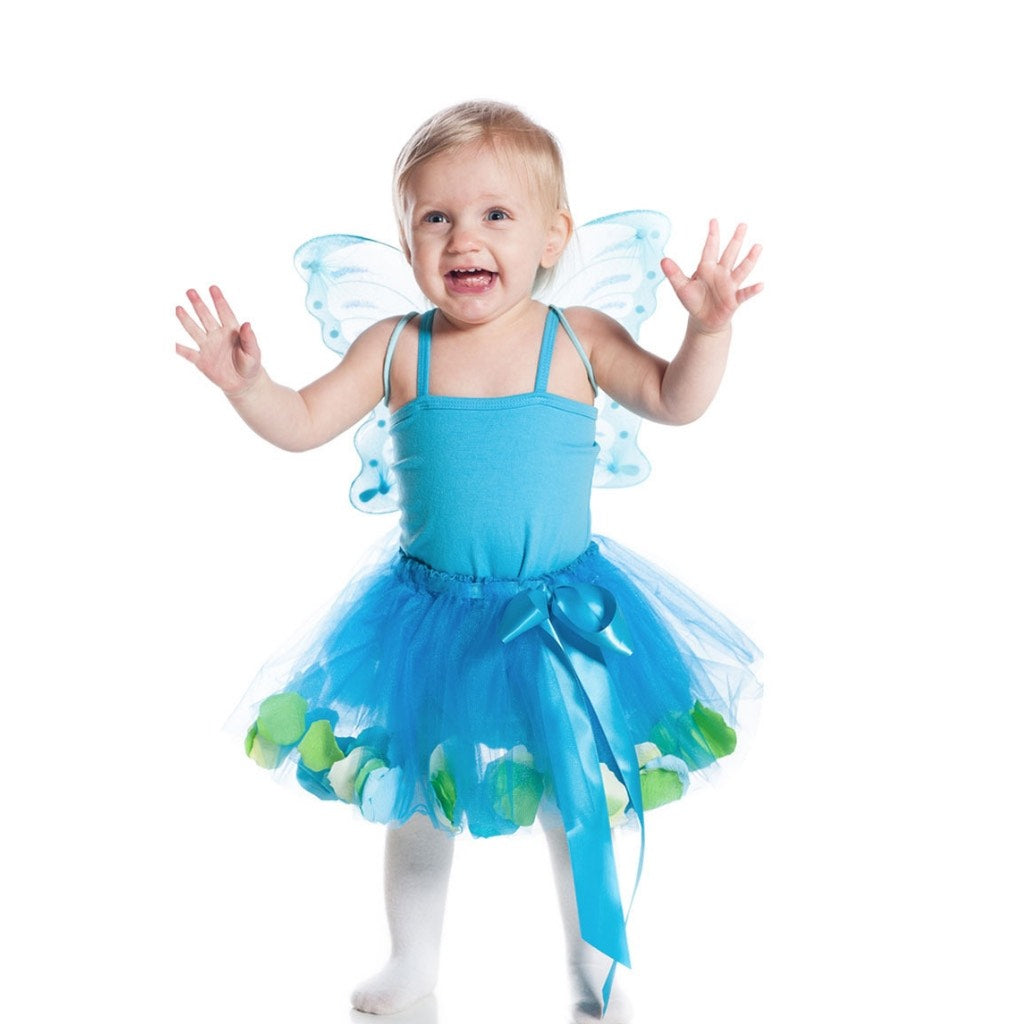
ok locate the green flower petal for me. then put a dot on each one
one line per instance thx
(443, 784)
(249, 737)
(698, 737)
(659, 786)
(318, 748)
(718, 736)
(282, 718)
(516, 789)
(264, 753)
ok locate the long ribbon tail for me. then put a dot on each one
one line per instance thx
(610, 718)
(575, 766)
(581, 713)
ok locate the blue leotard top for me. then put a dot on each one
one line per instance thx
(494, 487)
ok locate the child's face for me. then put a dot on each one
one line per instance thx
(478, 232)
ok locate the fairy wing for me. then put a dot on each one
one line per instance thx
(613, 264)
(351, 284)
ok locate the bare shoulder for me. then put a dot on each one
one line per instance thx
(376, 337)
(362, 364)
(344, 395)
(370, 348)
(592, 326)
(626, 371)
(601, 336)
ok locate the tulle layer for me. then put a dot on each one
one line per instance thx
(411, 697)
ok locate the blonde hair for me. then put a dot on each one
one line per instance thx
(483, 121)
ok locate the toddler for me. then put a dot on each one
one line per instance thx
(502, 666)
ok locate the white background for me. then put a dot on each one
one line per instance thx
(848, 499)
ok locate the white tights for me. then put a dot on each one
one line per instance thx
(417, 866)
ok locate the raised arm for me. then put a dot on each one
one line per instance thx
(681, 390)
(294, 420)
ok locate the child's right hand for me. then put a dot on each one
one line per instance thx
(228, 354)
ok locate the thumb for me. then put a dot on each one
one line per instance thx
(247, 338)
(674, 273)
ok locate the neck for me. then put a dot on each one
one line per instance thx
(520, 318)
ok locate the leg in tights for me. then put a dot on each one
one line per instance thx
(417, 865)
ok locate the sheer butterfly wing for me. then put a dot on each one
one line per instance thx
(613, 264)
(352, 283)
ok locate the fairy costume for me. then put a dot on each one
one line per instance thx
(503, 659)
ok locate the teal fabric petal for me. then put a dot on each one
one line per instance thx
(673, 764)
(380, 794)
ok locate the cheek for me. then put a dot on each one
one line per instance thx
(423, 270)
(418, 254)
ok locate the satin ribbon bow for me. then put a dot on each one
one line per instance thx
(583, 719)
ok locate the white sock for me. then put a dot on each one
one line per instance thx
(417, 865)
(588, 968)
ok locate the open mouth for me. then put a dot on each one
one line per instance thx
(470, 279)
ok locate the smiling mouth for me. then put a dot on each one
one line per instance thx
(470, 279)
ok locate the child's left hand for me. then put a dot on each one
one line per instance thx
(712, 294)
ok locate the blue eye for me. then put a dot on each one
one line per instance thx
(497, 215)
(434, 218)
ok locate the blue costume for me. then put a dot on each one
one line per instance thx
(503, 658)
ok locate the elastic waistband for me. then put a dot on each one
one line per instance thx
(436, 581)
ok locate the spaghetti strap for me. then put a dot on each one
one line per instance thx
(547, 346)
(390, 354)
(579, 347)
(423, 356)
(426, 329)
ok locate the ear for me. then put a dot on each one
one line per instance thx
(558, 238)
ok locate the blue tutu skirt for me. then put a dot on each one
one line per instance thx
(427, 692)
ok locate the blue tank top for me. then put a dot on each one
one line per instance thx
(494, 487)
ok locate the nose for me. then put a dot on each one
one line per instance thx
(463, 238)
